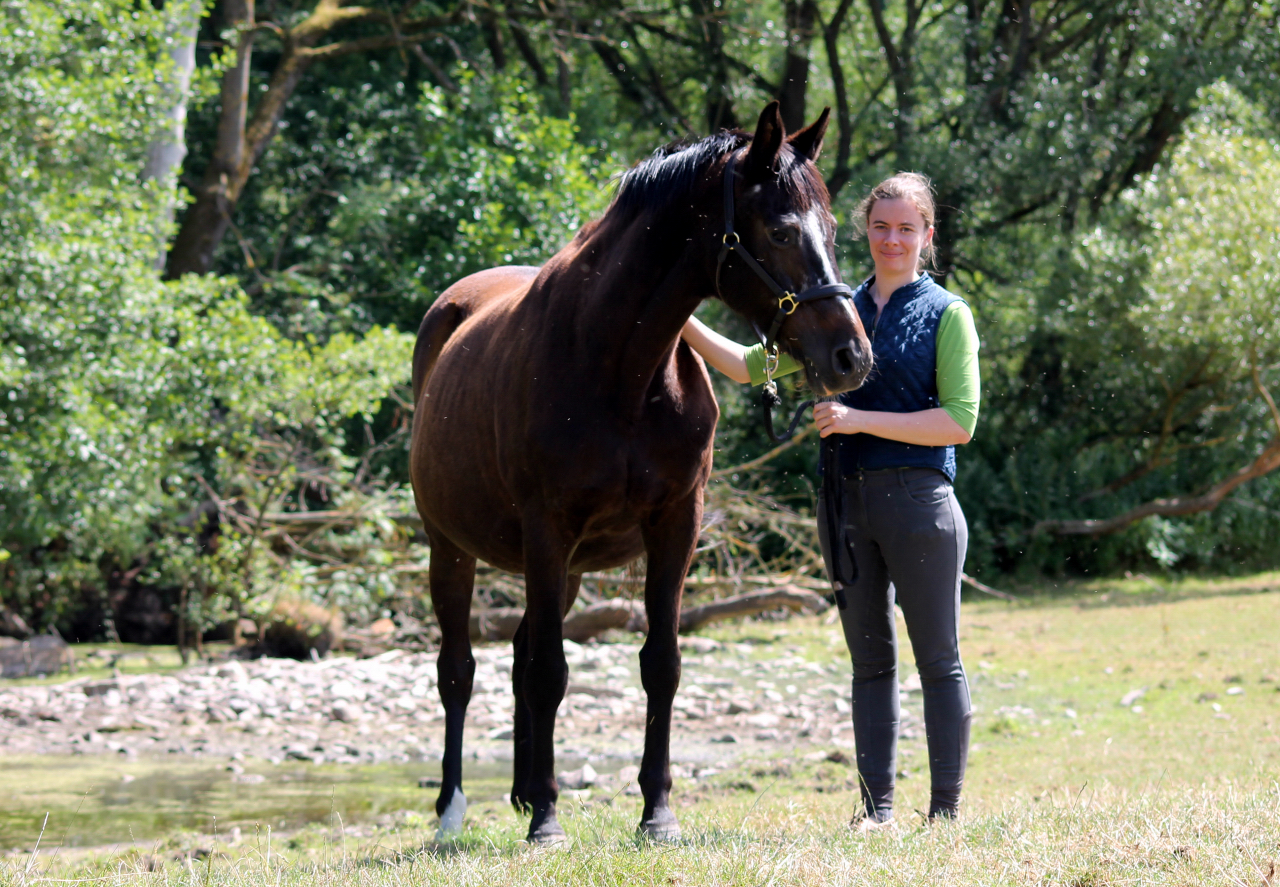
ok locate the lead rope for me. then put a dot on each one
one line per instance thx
(833, 493)
(770, 400)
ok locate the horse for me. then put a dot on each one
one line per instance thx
(561, 425)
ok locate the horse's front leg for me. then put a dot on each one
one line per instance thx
(523, 729)
(669, 538)
(545, 673)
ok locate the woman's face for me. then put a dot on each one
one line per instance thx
(897, 233)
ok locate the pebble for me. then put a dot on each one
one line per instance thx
(387, 708)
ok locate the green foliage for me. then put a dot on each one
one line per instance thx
(374, 200)
(1108, 182)
(125, 403)
(1126, 372)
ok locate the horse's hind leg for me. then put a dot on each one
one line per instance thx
(523, 728)
(452, 575)
(670, 538)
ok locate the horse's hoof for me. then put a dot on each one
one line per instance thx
(662, 826)
(451, 818)
(548, 834)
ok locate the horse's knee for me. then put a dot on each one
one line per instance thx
(455, 674)
(660, 667)
(545, 680)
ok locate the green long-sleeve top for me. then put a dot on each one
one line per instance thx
(959, 385)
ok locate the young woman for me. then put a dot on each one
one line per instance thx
(901, 527)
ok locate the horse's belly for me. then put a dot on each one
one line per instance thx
(607, 552)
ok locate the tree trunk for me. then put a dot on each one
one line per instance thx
(167, 151)
(239, 144)
(206, 222)
(802, 17)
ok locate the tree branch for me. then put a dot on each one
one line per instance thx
(1266, 462)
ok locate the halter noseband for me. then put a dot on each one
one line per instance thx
(788, 302)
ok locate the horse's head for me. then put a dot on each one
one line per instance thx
(782, 216)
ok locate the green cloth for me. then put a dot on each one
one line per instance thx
(959, 385)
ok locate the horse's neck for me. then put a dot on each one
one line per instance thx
(633, 302)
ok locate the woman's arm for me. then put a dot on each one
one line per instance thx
(929, 428)
(724, 354)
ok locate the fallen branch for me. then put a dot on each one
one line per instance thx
(987, 589)
(789, 597)
(628, 615)
(1268, 460)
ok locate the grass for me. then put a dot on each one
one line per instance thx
(1066, 786)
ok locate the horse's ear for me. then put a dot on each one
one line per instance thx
(808, 141)
(762, 159)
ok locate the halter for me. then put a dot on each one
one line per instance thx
(788, 302)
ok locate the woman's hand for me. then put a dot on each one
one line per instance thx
(833, 417)
(929, 428)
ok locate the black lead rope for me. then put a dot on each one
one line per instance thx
(833, 493)
(788, 302)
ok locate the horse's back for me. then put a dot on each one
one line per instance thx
(464, 299)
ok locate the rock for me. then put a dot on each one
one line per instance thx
(429, 782)
(300, 630)
(1234, 691)
(912, 683)
(768, 736)
(232, 671)
(345, 712)
(1132, 696)
(45, 654)
(382, 628)
(248, 778)
(741, 706)
(764, 720)
(585, 777)
(699, 645)
(726, 737)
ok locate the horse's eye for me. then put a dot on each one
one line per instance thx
(783, 236)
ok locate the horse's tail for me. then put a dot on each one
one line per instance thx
(437, 326)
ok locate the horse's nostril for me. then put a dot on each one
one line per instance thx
(842, 360)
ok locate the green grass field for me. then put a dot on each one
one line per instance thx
(1066, 785)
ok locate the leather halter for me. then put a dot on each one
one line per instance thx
(788, 302)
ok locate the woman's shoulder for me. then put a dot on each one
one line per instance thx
(941, 294)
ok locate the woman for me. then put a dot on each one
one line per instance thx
(900, 524)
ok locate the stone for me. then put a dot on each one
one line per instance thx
(232, 671)
(1132, 696)
(584, 777)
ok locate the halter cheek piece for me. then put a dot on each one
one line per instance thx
(788, 302)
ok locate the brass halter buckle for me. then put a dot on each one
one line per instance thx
(787, 302)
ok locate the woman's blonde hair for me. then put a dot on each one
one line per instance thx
(910, 186)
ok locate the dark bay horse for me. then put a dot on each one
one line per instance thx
(561, 425)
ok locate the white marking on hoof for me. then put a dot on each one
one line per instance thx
(451, 819)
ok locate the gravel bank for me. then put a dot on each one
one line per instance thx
(731, 701)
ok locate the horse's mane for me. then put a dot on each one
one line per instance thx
(669, 174)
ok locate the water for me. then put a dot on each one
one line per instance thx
(93, 801)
